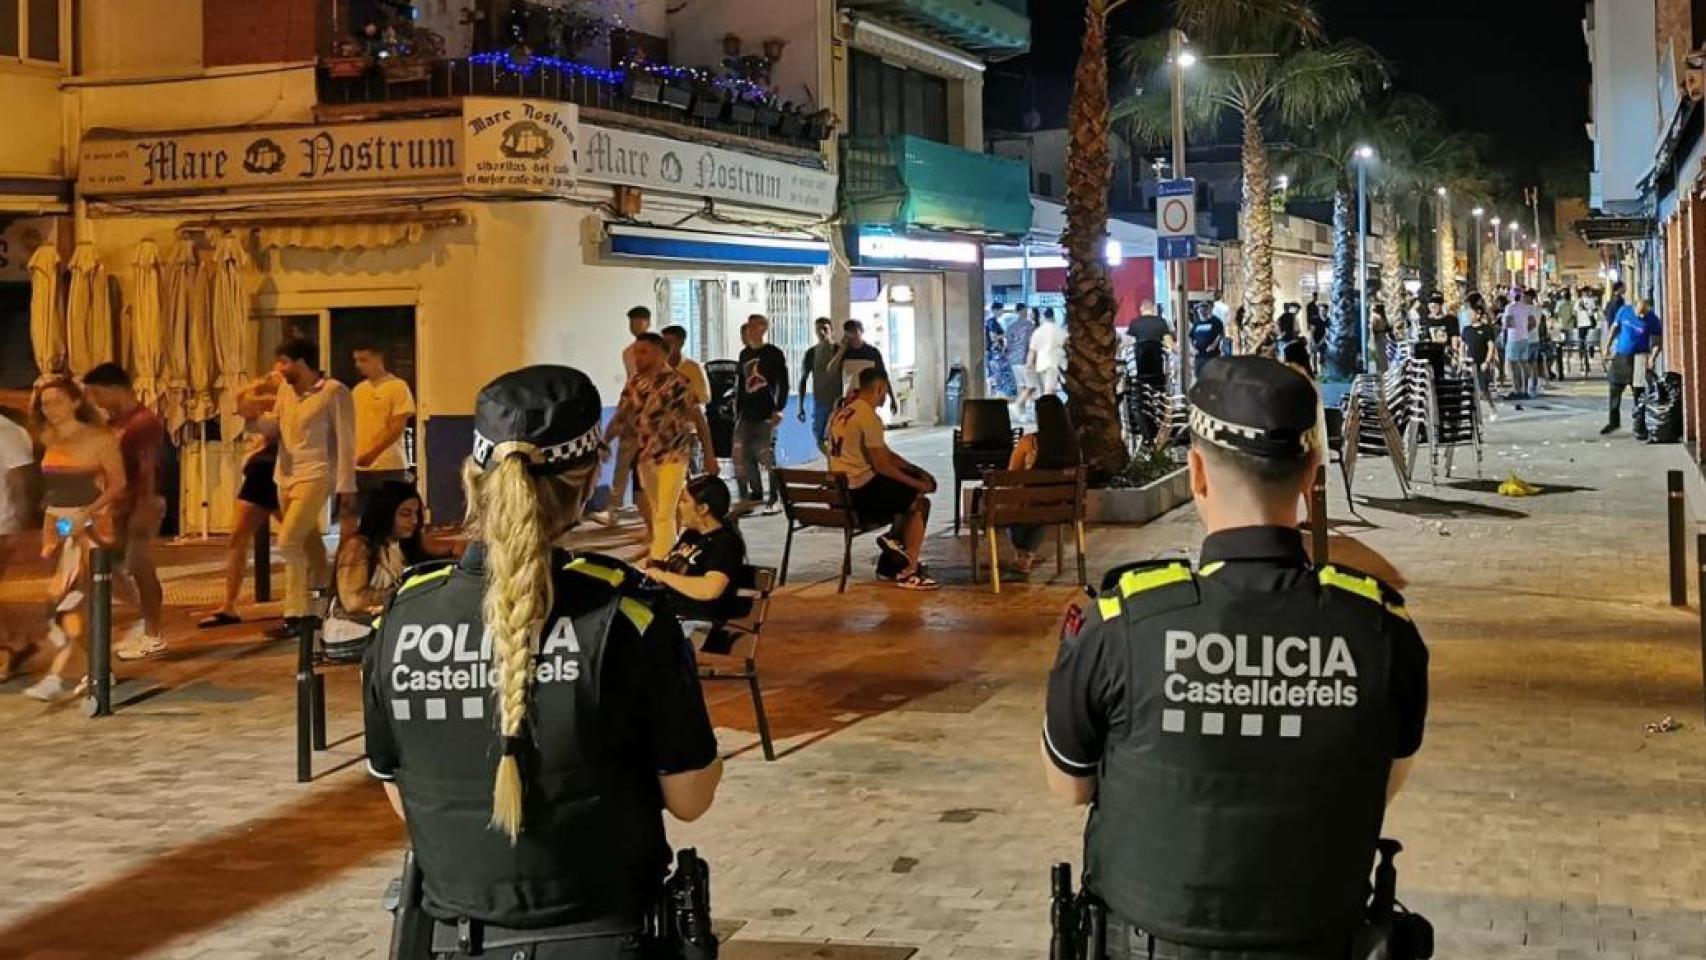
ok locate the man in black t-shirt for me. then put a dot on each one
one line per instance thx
(758, 409)
(1479, 342)
(1150, 335)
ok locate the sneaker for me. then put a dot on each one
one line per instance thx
(917, 580)
(888, 543)
(1608, 429)
(48, 689)
(744, 506)
(770, 509)
(139, 646)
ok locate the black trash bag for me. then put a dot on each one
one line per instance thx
(1664, 412)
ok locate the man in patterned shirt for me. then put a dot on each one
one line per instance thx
(658, 410)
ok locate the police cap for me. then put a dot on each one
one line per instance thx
(548, 414)
(1255, 406)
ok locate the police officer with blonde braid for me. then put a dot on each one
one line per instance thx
(1239, 729)
(532, 714)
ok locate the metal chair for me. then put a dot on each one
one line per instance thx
(736, 639)
(984, 441)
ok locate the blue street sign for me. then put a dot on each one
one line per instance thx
(1176, 248)
(1176, 188)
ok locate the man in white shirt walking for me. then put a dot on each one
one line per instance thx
(383, 407)
(316, 459)
(1048, 353)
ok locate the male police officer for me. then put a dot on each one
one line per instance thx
(1239, 729)
(529, 711)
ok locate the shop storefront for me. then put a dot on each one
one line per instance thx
(1034, 271)
(919, 216)
(469, 245)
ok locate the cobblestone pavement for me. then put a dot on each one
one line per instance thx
(1543, 821)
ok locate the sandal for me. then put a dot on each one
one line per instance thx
(216, 620)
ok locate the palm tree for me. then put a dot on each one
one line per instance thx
(1261, 61)
(1321, 163)
(1091, 378)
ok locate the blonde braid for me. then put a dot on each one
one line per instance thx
(518, 598)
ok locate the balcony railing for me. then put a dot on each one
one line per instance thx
(905, 183)
(665, 94)
(993, 28)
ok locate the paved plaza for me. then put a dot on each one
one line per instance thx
(907, 815)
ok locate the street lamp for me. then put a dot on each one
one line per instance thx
(1480, 266)
(1182, 58)
(1364, 156)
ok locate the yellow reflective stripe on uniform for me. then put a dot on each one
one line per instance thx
(378, 623)
(637, 613)
(1366, 587)
(1110, 608)
(1398, 610)
(1210, 569)
(421, 578)
(1137, 581)
(598, 570)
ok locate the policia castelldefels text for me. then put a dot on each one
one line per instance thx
(1238, 729)
(532, 714)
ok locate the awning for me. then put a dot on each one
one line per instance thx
(1604, 228)
(356, 232)
(692, 246)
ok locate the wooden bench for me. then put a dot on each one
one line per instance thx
(817, 498)
(735, 641)
(1029, 498)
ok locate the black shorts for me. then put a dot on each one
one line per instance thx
(258, 486)
(882, 499)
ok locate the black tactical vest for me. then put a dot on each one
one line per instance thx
(592, 847)
(1242, 807)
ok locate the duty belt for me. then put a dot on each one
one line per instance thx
(472, 937)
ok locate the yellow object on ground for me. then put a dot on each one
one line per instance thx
(1517, 487)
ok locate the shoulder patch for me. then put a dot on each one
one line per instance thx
(638, 614)
(1108, 607)
(1112, 579)
(422, 579)
(1134, 582)
(587, 566)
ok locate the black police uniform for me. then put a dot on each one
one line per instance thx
(614, 702)
(1241, 720)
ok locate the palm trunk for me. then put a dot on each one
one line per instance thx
(1447, 251)
(1091, 377)
(1344, 322)
(1391, 266)
(1257, 216)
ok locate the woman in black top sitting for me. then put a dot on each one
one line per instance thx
(702, 572)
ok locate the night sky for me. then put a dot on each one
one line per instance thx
(1513, 71)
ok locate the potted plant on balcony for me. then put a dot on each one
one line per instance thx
(347, 61)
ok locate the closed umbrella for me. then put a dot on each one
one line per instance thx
(201, 380)
(232, 270)
(88, 313)
(201, 350)
(148, 342)
(177, 289)
(47, 311)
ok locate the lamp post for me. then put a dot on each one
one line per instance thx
(1178, 273)
(1516, 244)
(1480, 268)
(1498, 250)
(1364, 156)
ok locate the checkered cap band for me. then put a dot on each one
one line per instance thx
(1247, 439)
(556, 455)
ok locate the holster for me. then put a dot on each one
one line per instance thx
(680, 925)
(411, 928)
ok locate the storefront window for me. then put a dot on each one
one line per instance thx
(699, 306)
(789, 307)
